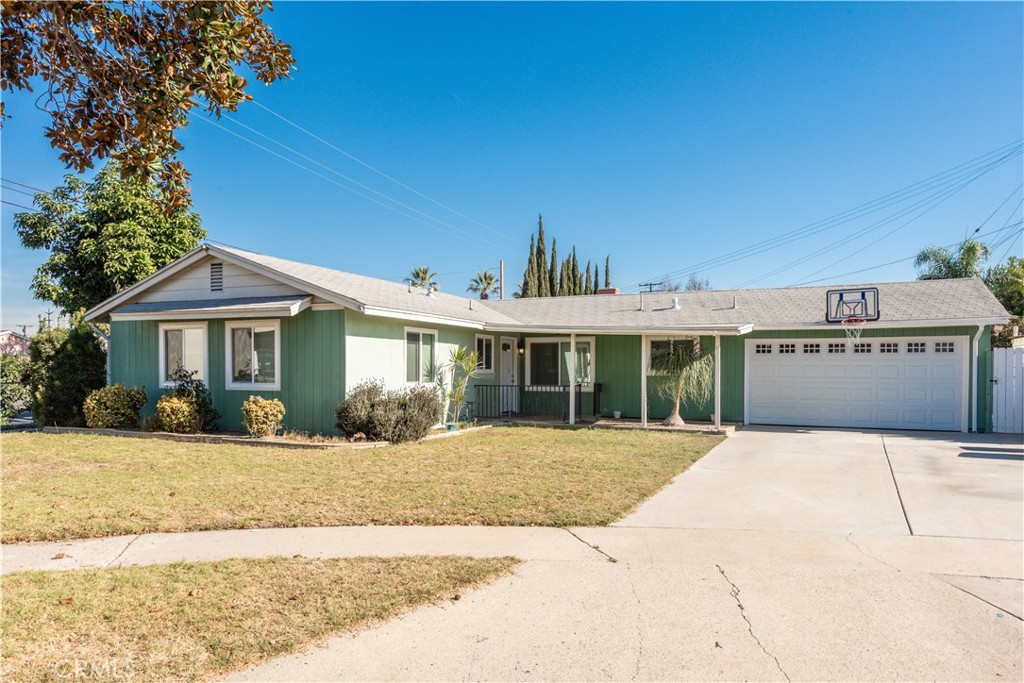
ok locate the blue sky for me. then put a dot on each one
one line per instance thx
(662, 134)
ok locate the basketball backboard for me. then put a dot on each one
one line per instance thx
(860, 302)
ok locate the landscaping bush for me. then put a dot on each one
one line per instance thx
(353, 414)
(151, 423)
(177, 414)
(14, 392)
(65, 366)
(114, 407)
(394, 416)
(262, 417)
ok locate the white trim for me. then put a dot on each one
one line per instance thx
(587, 388)
(162, 345)
(327, 307)
(887, 324)
(210, 314)
(379, 312)
(718, 383)
(481, 371)
(170, 269)
(704, 330)
(572, 376)
(974, 381)
(644, 361)
(421, 331)
(229, 383)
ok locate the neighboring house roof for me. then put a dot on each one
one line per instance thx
(922, 302)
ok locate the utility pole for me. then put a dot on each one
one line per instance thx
(48, 318)
(649, 285)
(501, 279)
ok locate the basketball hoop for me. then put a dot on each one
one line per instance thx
(853, 326)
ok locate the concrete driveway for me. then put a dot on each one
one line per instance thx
(849, 481)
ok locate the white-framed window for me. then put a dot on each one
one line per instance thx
(837, 347)
(917, 347)
(420, 355)
(252, 355)
(863, 347)
(787, 348)
(484, 355)
(762, 348)
(944, 347)
(547, 362)
(812, 348)
(182, 345)
(889, 347)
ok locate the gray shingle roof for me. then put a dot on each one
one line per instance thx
(925, 301)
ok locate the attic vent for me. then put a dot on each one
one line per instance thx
(216, 277)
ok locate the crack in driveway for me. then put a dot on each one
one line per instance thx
(735, 592)
(863, 552)
(639, 624)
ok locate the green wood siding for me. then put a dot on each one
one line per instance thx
(312, 368)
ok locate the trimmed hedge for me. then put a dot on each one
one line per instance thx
(114, 407)
(65, 366)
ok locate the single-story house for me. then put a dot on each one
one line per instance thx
(251, 324)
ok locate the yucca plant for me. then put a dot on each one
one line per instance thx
(453, 379)
(688, 374)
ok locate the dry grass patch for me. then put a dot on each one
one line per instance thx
(195, 621)
(82, 485)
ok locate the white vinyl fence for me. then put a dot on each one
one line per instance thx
(1008, 391)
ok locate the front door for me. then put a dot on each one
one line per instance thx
(509, 389)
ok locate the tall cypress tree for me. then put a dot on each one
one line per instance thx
(529, 286)
(597, 281)
(588, 287)
(607, 271)
(577, 279)
(552, 275)
(543, 283)
(563, 284)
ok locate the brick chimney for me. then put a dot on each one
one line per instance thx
(608, 290)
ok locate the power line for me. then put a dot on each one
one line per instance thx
(381, 173)
(328, 179)
(353, 180)
(20, 206)
(948, 177)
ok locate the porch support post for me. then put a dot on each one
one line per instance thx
(643, 381)
(572, 378)
(718, 383)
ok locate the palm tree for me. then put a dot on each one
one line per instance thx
(423, 276)
(687, 373)
(484, 284)
(936, 263)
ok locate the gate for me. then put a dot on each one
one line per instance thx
(1008, 391)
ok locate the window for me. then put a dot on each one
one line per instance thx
(889, 347)
(944, 347)
(916, 347)
(420, 355)
(253, 355)
(548, 360)
(485, 354)
(787, 348)
(812, 348)
(182, 345)
(762, 348)
(837, 348)
(863, 347)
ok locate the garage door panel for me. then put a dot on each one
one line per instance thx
(923, 390)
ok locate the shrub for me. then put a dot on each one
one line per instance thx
(115, 407)
(262, 417)
(200, 411)
(353, 414)
(151, 423)
(65, 366)
(394, 416)
(177, 414)
(14, 392)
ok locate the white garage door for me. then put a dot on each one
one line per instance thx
(886, 383)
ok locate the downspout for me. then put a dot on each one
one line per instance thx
(974, 378)
(718, 383)
(99, 333)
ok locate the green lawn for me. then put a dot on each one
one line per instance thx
(80, 485)
(197, 621)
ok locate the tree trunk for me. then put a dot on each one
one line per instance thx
(673, 419)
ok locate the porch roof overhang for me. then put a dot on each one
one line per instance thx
(248, 307)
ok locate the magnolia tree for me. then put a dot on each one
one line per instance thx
(688, 374)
